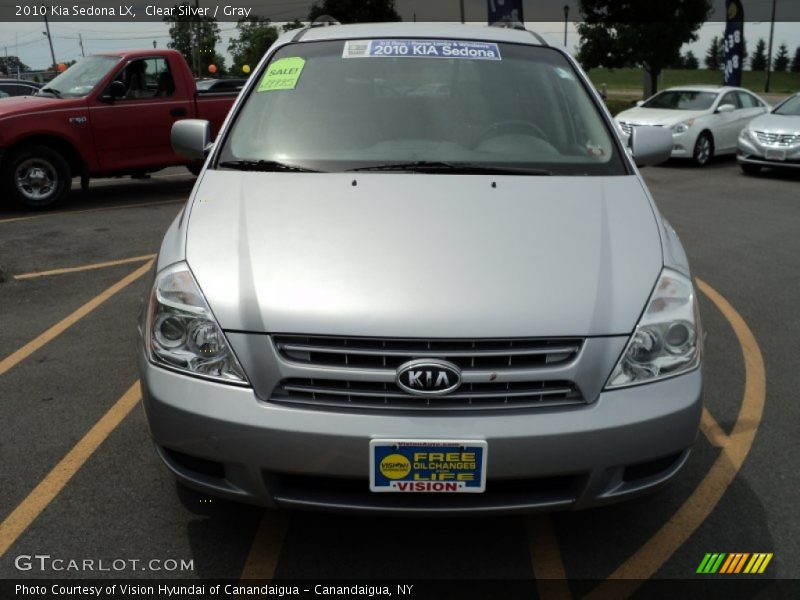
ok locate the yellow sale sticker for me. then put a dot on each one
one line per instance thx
(282, 74)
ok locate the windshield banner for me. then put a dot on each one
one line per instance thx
(421, 49)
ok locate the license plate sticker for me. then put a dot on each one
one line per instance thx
(775, 154)
(445, 466)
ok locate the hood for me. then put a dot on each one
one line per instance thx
(20, 105)
(657, 116)
(772, 123)
(420, 255)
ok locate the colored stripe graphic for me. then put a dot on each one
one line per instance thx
(734, 563)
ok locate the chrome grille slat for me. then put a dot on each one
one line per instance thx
(778, 139)
(430, 353)
(487, 358)
(387, 396)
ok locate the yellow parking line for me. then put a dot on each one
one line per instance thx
(88, 210)
(551, 578)
(712, 430)
(266, 547)
(100, 265)
(19, 355)
(644, 563)
(31, 507)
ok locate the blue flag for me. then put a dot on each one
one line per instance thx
(505, 10)
(733, 43)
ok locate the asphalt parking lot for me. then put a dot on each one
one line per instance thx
(80, 478)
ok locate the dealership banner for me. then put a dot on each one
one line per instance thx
(733, 43)
(505, 10)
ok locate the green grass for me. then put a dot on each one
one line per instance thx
(632, 79)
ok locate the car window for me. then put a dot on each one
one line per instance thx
(748, 100)
(730, 98)
(789, 107)
(147, 78)
(4, 94)
(321, 105)
(681, 100)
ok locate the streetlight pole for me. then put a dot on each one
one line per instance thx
(566, 19)
(769, 52)
(461, 8)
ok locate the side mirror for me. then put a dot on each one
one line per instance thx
(726, 108)
(116, 89)
(639, 102)
(191, 138)
(650, 145)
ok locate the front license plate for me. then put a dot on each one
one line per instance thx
(774, 154)
(447, 466)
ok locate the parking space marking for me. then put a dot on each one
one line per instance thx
(47, 489)
(88, 210)
(89, 267)
(650, 557)
(266, 547)
(712, 430)
(19, 355)
(548, 569)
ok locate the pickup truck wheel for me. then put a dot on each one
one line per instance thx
(36, 177)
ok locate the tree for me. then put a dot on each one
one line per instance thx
(12, 65)
(712, 59)
(296, 24)
(758, 62)
(781, 62)
(355, 11)
(195, 36)
(256, 35)
(690, 61)
(618, 33)
(795, 68)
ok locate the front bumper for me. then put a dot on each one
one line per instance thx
(627, 442)
(752, 152)
(682, 143)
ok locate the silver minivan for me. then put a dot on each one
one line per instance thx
(421, 273)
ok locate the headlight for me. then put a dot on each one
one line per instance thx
(747, 135)
(668, 339)
(181, 332)
(682, 127)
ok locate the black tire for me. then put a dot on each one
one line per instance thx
(750, 169)
(195, 168)
(35, 178)
(703, 149)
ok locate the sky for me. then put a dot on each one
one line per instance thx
(26, 39)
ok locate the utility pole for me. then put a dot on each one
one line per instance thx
(461, 8)
(50, 40)
(566, 20)
(80, 41)
(769, 52)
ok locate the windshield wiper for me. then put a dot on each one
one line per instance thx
(50, 90)
(264, 165)
(465, 168)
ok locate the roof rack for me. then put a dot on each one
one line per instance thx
(324, 21)
(507, 23)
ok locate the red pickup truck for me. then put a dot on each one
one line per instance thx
(107, 115)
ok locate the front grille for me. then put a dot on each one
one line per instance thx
(334, 393)
(778, 139)
(626, 128)
(390, 353)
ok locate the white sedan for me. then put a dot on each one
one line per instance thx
(705, 120)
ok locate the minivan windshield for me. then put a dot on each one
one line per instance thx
(417, 104)
(681, 100)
